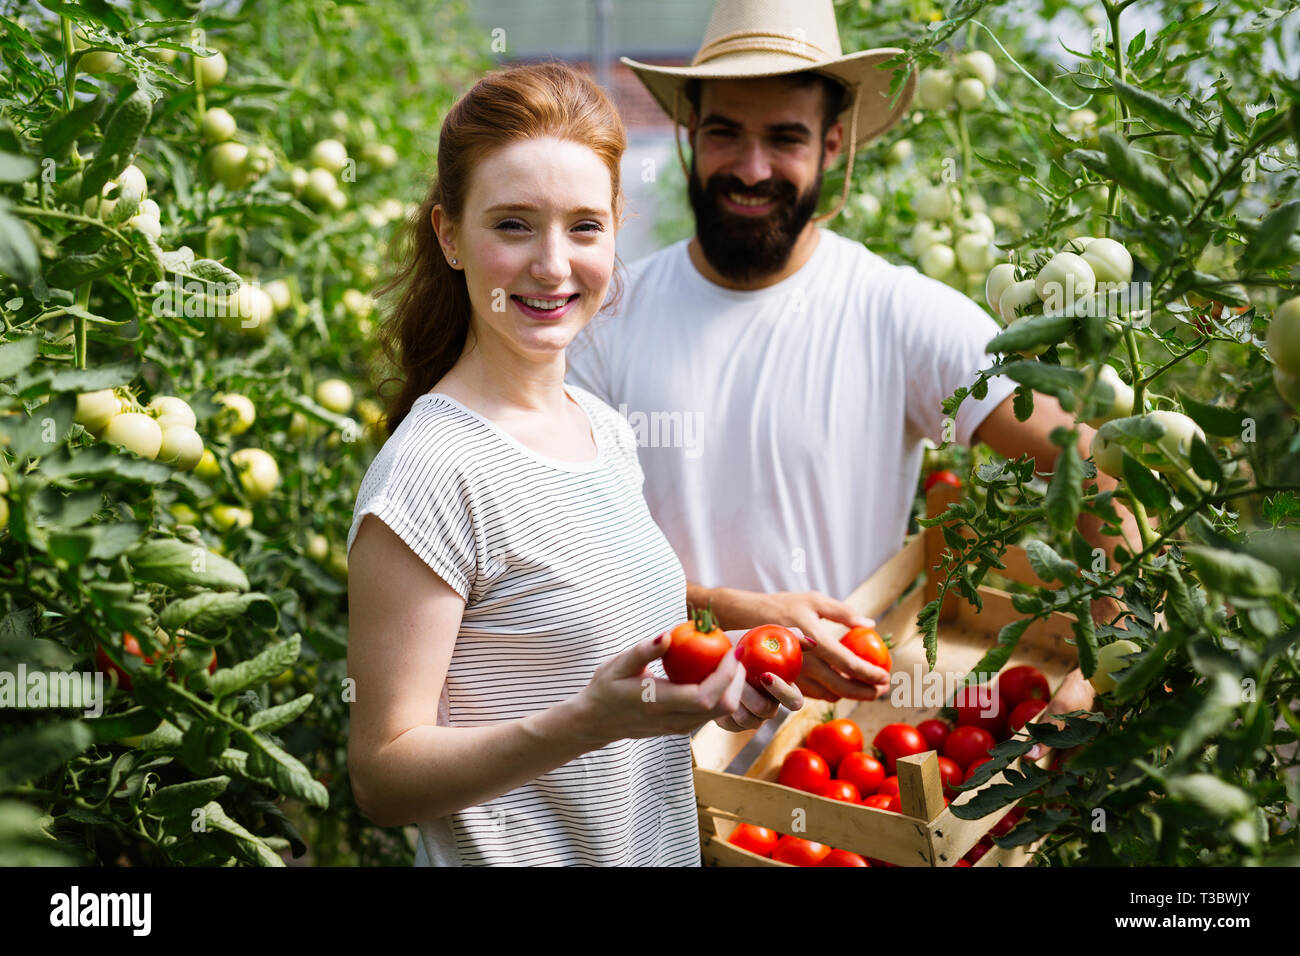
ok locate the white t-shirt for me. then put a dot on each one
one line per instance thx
(561, 568)
(780, 430)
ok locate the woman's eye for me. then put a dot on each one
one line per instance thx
(511, 225)
(590, 227)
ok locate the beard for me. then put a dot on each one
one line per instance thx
(743, 248)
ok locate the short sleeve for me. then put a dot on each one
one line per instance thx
(425, 499)
(944, 336)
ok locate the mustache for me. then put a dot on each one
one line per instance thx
(767, 189)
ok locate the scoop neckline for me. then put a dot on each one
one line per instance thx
(557, 463)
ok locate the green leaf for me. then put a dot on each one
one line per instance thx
(1142, 178)
(1023, 403)
(1212, 795)
(286, 773)
(1150, 107)
(1065, 490)
(66, 127)
(179, 799)
(1216, 420)
(121, 135)
(17, 354)
(1268, 244)
(70, 547)
(1055, 380)
(130, 723)
(1031, 332)
(1085, 641)
(1179, 601)
(271, 662)
(213, 610)
(1203, 461)
(214, 818)
(185, 566)
(1144, 485)
(18, 257)
(32, 752)
(1232, 573)
(1231, 115)
(273, 718)
(996, 657)
(1047, 564)
(16, 169)
(103, 461)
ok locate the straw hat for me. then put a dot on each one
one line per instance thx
(758, 38)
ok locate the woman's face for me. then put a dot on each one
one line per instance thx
(538, 229)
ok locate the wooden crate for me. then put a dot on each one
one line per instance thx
(926, 833)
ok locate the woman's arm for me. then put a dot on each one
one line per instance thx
(402, 625)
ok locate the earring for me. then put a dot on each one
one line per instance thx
(455, 261)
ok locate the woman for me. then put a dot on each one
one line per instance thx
(507, 587)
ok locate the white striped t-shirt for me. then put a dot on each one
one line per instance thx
(561, 567)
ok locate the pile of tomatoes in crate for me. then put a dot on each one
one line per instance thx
(833, 763)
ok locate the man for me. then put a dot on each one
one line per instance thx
(783, 377)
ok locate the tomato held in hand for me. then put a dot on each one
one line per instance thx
(804, 769)
(696, 648)
(863, 771)
(1023, 683)
(899, 740)
(935, 733)
(770, 647)
(835, 740)
(867, 643)
(968, 744)
(841, 790)
(1024, 712)
(842, 858)
(798, 852)
(758, 840)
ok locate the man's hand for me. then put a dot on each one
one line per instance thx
(830, 670)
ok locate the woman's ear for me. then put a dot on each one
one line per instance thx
(445, 230)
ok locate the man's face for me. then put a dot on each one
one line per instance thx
(756, 172)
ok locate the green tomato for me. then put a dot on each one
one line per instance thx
(934, 89)
(226, 517)
(336, 395)
(135, 431)
(1015, 297)
(380, 155)
(1288, 385)
(338, 201)
(181, 446)
(212, 69)
(96, 409)
(938, 261)
(1175, 445)
(975, 252)
(1110, 661)
(357, 303)
(933, 202)
(320, 186)
(298, 179)
(258, 472)
(249, 310)
(980, 65)
(1284, 336)
(4, 502)
(279, 293)
(370, 413)
(318, 547)
(1109, 260)
(1107, 456)
(148, 225)
(218, 125)
(1113, 394)
(227, 163)
(330, 155)
(978, 221)
(1078, 244)
(1083, 124)
(1065, 279)
(170, 410)
(927, 234)
(207, 467)
(1000, 277)
(237, 416)
(970, 93)
(132, 184)
(183, 513)
(899, 153)
(338, 563)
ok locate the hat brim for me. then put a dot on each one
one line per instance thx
(877, 114)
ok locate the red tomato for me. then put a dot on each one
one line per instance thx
(1023, 683)
(758, 840)
(841, 790)
(842, 858)
(935, 733)
(797, 852)
(1024, 712)
(943, 477)
(975, 765)
(835, 740)
(950, 773)
(132, 646)
(696, 648)
(882, 801)
(974, 713)
(770, 647)
(1008, 822)
(899, 740)
(888, 786)
(804, 769)
(978, 850)
(863, 771)
(968, 744)
(867, 643)
(961, 863)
